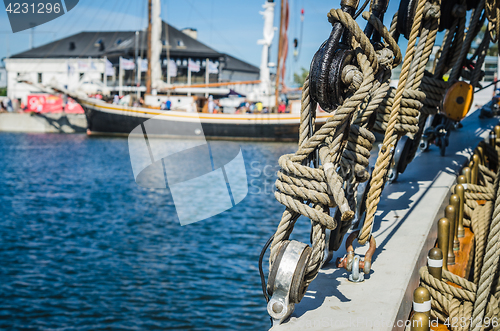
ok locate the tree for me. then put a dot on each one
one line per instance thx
(300, 79)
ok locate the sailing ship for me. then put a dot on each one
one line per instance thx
(106, 118)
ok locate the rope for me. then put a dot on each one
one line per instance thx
(385, 154)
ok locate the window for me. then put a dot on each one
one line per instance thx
(40, 77)
(81, 75)
(98, 43)
(102, 78)
(180, 43)
(118, 41)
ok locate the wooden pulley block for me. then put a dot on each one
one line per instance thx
(326, 67)
(458, 101)
(406, 14)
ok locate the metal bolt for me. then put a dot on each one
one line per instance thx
(467, 173)
(277, 307)
(435, 264)
(459, 190)
(450, 215)
(455, 202)
(443, 239)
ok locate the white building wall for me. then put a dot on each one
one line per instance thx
(69, 73)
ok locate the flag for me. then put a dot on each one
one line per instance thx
(126, 64)
(213, 68)
(71, 69)
(172, 69)
(83, 66)
(193, 66)
(110, 71)
(143, 64)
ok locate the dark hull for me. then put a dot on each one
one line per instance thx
(106, 123)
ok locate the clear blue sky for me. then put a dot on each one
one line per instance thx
(230, 26)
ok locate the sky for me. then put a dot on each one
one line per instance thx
(228, 26)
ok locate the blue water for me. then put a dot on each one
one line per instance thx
(82, 247)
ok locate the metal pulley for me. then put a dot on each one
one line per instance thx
(353, 263)
(286, 277)
(326, 85)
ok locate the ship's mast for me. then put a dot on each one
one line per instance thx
(148, 73)
(280, 53)
(266, 42)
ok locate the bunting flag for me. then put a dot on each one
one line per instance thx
(143, 64)
(213, 68)
(172, 68)
(126, 64)
(110, 71)
(83, 66)
(193, 66)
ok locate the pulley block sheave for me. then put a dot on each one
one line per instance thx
(326, 86)
(286, 279)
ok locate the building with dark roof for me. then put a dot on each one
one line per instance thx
(82, 57)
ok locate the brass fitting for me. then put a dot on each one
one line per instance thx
(450, 215)
(459, 190)
(497, 131)
(455, 202)
(475, 169)
(435, 263)
(492, 138)
(419, 322)
(461, 179)
(443, 239)
(467, 173)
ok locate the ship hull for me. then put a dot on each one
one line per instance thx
(106, 119)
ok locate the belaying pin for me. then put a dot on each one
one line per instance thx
(467, 173)
(450, 215)
(455, 202)
(435, 263)
(443, 239)
(461, 179)
(422, 301)
(480, 153)
(286, 277)
(497, 131)
(459, 190)
(492, 138)
(420, 322)
(475, 169)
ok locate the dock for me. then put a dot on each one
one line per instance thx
(43, 123)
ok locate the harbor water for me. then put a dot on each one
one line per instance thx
(83, 247)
